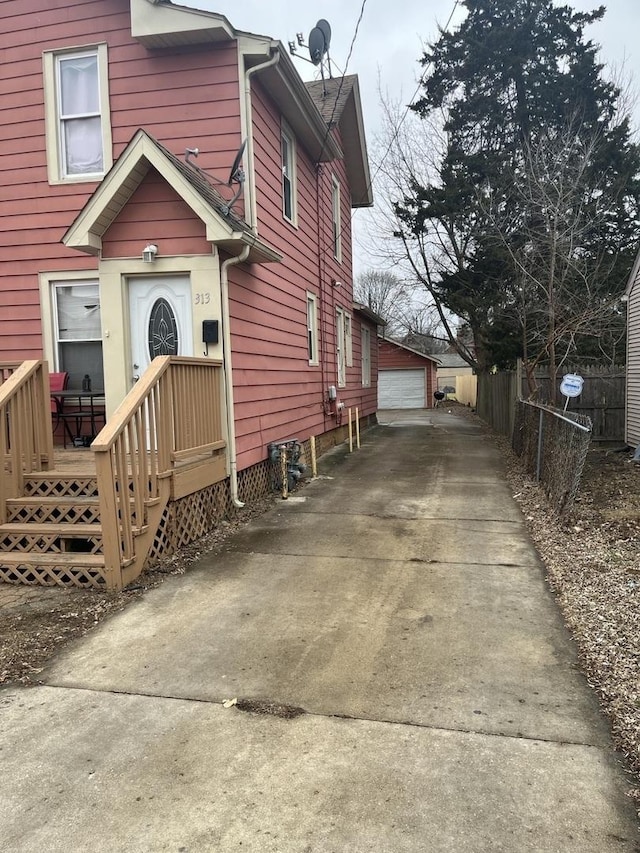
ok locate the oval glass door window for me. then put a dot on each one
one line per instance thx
(163, 329)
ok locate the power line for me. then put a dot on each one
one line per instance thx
(405, 113)
(337, 98)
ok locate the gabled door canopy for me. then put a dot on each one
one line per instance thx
(141, 154)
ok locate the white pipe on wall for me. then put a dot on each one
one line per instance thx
(228, 371)
(251, 215)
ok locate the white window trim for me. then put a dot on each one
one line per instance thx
(48, 281)
(55, 170)
(365, 338)
(287, 134)
(336, 219)
(312, 328)
(348, 339)
(341, 346)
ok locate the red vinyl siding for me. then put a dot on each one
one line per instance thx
(277, 393)
(186, 98)
(155, 211)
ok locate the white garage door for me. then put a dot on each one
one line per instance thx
(401, 389)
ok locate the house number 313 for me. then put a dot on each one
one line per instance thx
(203, 298)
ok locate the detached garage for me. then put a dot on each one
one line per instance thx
(406, 377)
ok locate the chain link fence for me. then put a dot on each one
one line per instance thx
(553, 446)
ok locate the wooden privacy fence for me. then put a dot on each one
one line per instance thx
(467, 390)
(172, 417)
(497, 395)
(602, 399)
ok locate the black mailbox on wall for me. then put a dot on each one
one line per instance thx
(210, 331)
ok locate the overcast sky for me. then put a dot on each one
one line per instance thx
(391, 35)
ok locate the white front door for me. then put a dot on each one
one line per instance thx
(160, 316)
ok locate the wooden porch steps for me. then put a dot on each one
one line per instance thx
(77, 529)
(166, 441)
(53, 534)
(80, 508)
(50, 569)
(71, 559)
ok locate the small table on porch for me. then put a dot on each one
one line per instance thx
(75, 408)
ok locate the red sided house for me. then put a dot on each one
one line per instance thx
(406, 378)
(176, 233)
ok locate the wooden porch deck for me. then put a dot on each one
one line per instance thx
(89, 516)
(79, 460)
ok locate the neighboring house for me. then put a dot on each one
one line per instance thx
(99, 107)
(406, 377)
(632, 396)
(451, 368)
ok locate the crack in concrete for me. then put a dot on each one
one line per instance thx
(260, 706)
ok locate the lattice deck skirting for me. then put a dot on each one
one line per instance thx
(36, 575)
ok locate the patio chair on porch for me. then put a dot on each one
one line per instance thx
(57, 382)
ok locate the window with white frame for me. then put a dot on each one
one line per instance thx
(344, 346)
(312, 328)
(78, 124)
(335, 216)
(348, 340)
(289, 198)
(78, 331)
(365, 336)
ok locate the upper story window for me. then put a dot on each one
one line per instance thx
(335, 217)
(78, 126)
(312, 327)
(289, 194)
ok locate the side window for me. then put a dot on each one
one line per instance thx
(335, 216)
(77, 331)
(289, 195)
(341, 349)
(348, 340)
(366, 356)
(312, 328)
(78, 124)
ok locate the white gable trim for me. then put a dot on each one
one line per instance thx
(86, 232)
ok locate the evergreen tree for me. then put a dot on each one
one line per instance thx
(534, 242)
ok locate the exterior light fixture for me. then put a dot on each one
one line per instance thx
(149, 253)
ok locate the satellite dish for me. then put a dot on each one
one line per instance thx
(317, 45)
(326, 30)
(236, 174)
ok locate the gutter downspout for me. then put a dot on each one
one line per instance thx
(253, 213)
(228, 371)
(224, 288)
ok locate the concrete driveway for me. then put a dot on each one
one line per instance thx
(393, 620)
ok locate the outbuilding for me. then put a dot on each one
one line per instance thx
(406, 377)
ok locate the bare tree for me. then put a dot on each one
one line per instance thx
(408, 154)
(384, 293)
(566, 281)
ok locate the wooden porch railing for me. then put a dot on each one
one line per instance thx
(171, 419)
(26, 439)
